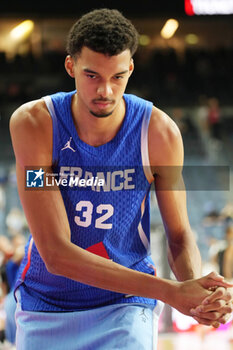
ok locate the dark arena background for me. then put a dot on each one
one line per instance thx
(184, 65)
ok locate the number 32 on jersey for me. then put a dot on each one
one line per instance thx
(85, 210)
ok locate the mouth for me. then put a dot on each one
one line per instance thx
(102, 104)
(104, 108)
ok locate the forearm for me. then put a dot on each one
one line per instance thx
(183, 254)
(88, 268)
(85, 267)
(184, 257)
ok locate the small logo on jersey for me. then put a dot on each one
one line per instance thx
(68, 146)
(35, 178)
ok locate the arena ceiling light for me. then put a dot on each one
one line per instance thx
(208, 7)
(169, 28)
(191, 39)
(22, 30)
(144, 40)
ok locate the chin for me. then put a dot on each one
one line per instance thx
(101, 115)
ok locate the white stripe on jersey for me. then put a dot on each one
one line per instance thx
(144, 145)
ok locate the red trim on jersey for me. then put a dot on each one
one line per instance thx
(29, 260)
(188, 6)
(98, 249)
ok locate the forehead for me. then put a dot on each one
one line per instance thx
(98, 62)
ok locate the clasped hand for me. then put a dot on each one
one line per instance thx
(217, 296)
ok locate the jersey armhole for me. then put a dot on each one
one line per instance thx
(49, 104)
(144, 142)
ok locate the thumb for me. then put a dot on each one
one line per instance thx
(215, 276)
(213, 279)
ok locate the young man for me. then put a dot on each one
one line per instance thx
(87, 281)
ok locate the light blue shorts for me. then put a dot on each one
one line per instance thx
(120, 326)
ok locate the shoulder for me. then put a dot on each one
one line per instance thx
(30, 115)
(164, 140)
(31, 129)
(163, 126)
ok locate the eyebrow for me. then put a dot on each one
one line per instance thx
(93, 72)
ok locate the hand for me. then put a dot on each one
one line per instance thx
(194, 292)
(216, 308)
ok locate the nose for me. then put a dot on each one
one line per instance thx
(104, 90)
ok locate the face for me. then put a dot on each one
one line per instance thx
(100, 80)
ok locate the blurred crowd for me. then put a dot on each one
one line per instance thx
(162, 75)
(12, 245)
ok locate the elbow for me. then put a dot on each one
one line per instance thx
(52, 264)
(56, 257)
(57, 261)
(51, 268)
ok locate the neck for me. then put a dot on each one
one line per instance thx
(93, 130)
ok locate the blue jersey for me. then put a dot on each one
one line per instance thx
(105, 191)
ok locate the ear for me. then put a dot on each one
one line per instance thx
(131, 66)
(69, 65)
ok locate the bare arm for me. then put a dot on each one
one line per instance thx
(183, 253)
(167, 164)
(166, 159)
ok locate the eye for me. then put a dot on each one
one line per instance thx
(91, 76)
(118, 77)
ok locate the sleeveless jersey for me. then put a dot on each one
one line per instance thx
(108, 216)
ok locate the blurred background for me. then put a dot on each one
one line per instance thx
(184, 65)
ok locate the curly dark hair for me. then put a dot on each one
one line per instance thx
(105, 31)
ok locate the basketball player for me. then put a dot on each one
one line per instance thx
(87, 280)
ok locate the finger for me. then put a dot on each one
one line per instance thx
(219, 305)
(217, 294)
(214, 284)
(217, 277)
(215, 324)
(205, 322)
(223, 313)
(225, 284)
(214, 306)
(214, 279)
(214, 316)
(224, 319)
(220, 293)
